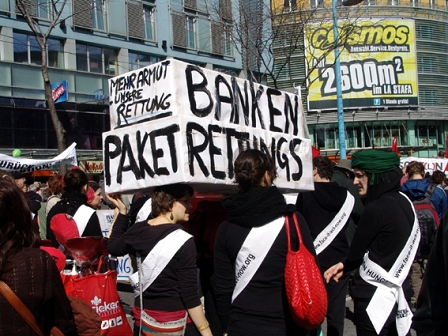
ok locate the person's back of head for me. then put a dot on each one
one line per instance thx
(163, 197)
(32, 187)
(324, 166)
(54, 185)
(75, 180)
(7, 176)
(438, 177)
(415, 170)
(17, 229)
(250, 167)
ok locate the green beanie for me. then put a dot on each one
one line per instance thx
(375, 161)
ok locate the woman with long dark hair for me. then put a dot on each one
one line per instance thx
(251, 301)
(74, 203)
(29, 271)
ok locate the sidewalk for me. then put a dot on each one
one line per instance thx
(127, 297)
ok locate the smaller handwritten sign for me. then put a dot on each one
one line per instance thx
(124, 267)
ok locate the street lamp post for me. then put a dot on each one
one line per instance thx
(337, 69)
(340, 104)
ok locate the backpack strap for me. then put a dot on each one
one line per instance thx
(432, 187)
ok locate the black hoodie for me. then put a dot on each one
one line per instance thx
(263, 300)
(319, 207)
(383, 231)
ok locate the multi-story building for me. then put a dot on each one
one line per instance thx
(393, 85)
(96, 40)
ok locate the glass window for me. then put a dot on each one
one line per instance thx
(91, 58)
(148, 21)
(204, 37)
(426, 64)
(202, 6)
(137, 61)
(20, 48)
(110, 62)
(316, 3)
(27, 50)
(81, 57)
(43, 8)
(228, 48)
(191, 40)
(98, 14)
(95, 59)
(35, 53)
(55, 53)
(290, 4)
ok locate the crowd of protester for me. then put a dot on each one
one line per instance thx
(363, 207)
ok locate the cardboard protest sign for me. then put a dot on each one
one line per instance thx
(175, 122)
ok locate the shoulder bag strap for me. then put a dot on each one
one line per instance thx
(20, 307)
(296, 223)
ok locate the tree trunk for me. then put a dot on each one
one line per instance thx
(58, 128)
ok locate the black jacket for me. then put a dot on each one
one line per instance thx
(263, 300)
(69, 204)
(383, 231)
(319, 207)
(176, 287)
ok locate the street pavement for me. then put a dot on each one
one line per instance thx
(127, 298)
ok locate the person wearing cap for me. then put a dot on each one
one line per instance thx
(383, 247)
(343, 175)
(20, 179)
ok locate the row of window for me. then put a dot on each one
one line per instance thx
(292, 4)
(88, 57)
(379, 134)
(192, 23)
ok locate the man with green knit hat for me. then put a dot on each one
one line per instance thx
(383, 247)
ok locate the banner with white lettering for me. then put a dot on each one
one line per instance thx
(176, 122)
(24, 166)
(430, 165)
(124, 268)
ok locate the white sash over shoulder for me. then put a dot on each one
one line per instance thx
(327, 235)
(82, 217)
(253, 251)
(156, 261)
(389, 284)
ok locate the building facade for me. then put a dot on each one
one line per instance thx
(93, 41)
(394, 86)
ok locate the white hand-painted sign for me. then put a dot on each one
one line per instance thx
(124, 267)
(430, 165)
(175, 122)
